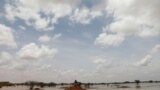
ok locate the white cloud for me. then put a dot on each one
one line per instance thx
(156, 49)
(106, 40)
(5, 58)
(147, 59)
(127, 26)
(6, 37)
(134, 18)
(99, 61)
(22, 28)
(34, 52)
(102, 64)
(44, 38)
(9, 62)
(56, 36)
(84, 15)
(32, 12)
(41, 24)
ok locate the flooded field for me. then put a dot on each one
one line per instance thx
(96, 87)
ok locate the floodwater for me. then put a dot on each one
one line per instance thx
(153, 86)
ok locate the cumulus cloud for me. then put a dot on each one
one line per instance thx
(99, 61)
(34, 52)
(134, 18)
(9, 62)
(102, 64)
(147, 59)
(45, 14)
(6, 37)
(5, 58)
(22, 28)
(33, 12)
(56, 36)
(84, 15)
(156, 49)
(106, 40)
(44, 38)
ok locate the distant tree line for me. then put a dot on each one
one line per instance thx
(5, 84)
(53, 84)
(29, 83)
(35, 83)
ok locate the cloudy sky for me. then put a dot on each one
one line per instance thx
(87, 40)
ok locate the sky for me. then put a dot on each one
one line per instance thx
(86, 40)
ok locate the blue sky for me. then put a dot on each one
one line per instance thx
(88, 40)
